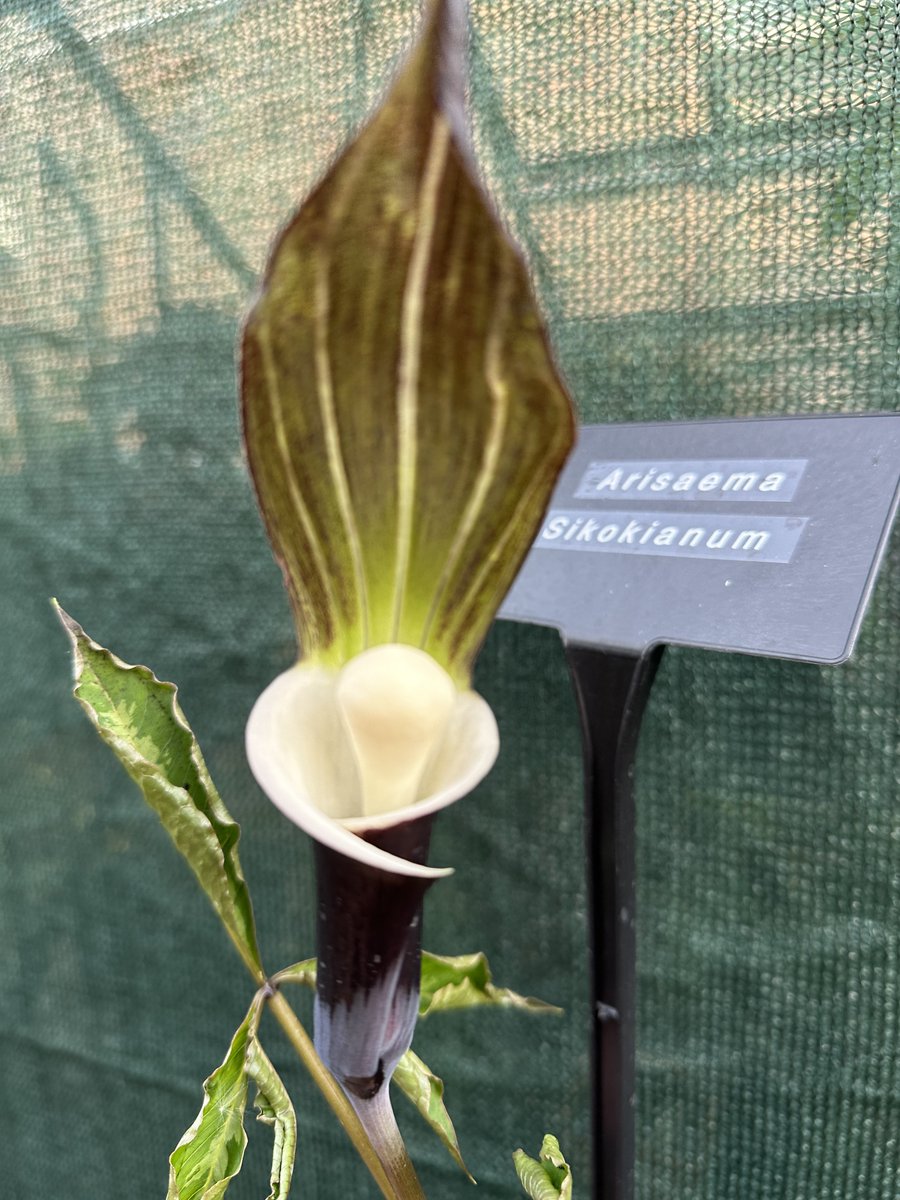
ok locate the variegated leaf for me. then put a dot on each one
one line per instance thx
(211, 1152)
(274, 1107)
(139, 718)
(426, 1091)
(548, 1177)
(465, 981)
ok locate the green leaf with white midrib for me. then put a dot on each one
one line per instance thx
(403, 418)
(465, 981)
(211, 1153)
(212, 1150)
(274, 1108)
(546, 1178)
(426, 1092)
(139, 718)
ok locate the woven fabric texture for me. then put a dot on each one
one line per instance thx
(707, 191)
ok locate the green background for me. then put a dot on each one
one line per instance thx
(708, 193)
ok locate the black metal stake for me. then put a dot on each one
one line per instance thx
(612, 689)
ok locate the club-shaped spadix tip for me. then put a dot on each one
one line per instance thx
(395, 702)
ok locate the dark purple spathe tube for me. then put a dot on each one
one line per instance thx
(368, 948)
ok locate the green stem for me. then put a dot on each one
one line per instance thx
(378, 1120)
(340, 1105)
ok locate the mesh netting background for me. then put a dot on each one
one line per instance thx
(707, 191)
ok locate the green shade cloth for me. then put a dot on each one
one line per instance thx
(708, 194)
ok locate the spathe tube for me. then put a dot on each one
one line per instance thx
(369, 946)
(369, 931)
(369, 949)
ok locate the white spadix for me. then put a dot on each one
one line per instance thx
(395, 702)
(385, 740)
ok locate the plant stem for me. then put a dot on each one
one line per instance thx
(338, 1102)
(378, 1120)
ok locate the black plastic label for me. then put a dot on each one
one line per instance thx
(759, 536)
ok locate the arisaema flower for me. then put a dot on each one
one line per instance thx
(404, 425)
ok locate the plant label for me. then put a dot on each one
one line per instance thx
(761, 536)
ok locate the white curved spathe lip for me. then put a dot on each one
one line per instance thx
(301, 756)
